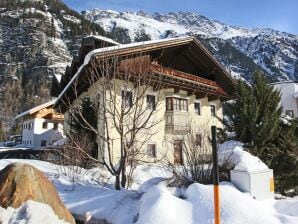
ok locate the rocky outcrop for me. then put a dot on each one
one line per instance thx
(22, 182)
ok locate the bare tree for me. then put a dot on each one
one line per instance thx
(124, 98)
(197, 160)
(74, 157)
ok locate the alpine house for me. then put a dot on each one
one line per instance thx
(145, 96)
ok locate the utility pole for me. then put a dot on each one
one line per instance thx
(215, 176)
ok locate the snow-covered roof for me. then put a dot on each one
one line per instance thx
(114, 48)
(35, 109)
(102, 38)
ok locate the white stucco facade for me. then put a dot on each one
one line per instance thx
(41, 126)
(171, 125)
(289, 96)
(40, 132)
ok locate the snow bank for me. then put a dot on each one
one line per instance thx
(233, 154)
(30, 212)
(236, 207)
(288, 206)
(154, 203)
(159, 206)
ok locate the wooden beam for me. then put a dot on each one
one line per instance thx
(200, 95)
(212, 97)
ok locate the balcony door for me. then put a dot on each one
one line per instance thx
(178, 159)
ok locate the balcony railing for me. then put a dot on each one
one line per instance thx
(183, 75)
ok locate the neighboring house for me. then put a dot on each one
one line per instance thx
(289, 97)
(41, 126)
(196, 86)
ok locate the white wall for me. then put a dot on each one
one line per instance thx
(288, 102)
(36, 133)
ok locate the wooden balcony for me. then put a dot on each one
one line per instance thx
(199, 82)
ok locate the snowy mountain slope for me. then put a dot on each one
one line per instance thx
(38, 39)
(274, 52)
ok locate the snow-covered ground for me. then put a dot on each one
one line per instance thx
(30, 212)
(152, 201)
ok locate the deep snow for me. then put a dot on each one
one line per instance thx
(160, 204)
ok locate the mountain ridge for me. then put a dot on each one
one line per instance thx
(273, 52)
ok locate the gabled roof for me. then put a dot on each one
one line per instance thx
(36, 109)
(149, 47)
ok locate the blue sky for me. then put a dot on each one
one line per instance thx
(277, 14)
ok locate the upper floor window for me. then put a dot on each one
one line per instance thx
(126, 98)
(290, 113)
(176, 104)
(151, 102)
(213, 112)
(45, 125)
(197, 108)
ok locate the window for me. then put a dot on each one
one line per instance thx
(169, 104)
(176, 104)
(55, 126)
(212, 108)
(290, 113)
(151, 102)
(183, 105)
(43, 143)
(45, 125)
(126, 99)
(198, 140)
(151, 150)
(197, 108)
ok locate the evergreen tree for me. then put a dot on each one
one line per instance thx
(255, 115)
(77, 128)
(285, 158)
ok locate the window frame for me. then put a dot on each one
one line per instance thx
(151, 153)
(55, 126)
(213, 112)
(176, 104)
(198, 139)
(151, 106)
(43, 141)
(199, 113)
(45, 125)
(127, 101)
